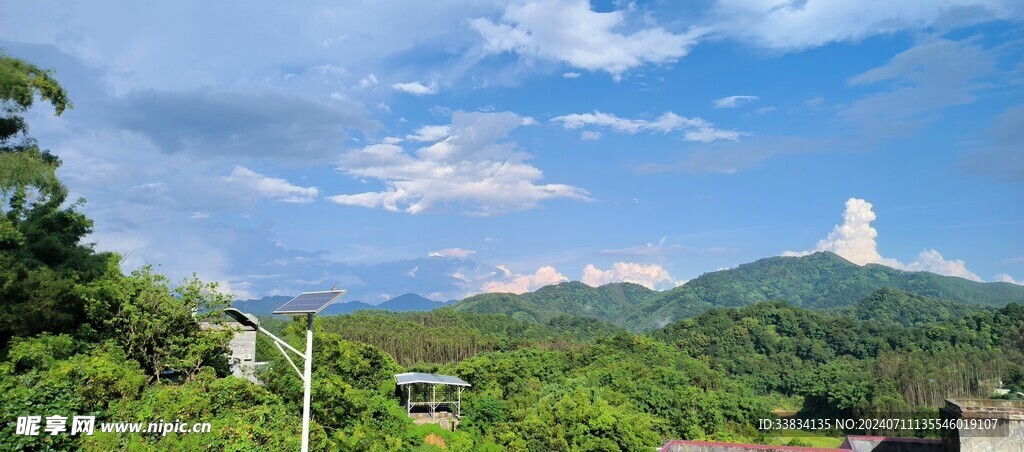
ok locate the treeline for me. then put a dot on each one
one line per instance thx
(841, 364)
(444, 335)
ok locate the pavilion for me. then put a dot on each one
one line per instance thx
(432, 391)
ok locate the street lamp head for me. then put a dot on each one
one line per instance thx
(243, 318)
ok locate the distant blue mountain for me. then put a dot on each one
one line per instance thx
(347, 307)
(262, 306)
(411, 302)
(402, 303)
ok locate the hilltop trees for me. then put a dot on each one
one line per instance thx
(42, 257)
(79, 336)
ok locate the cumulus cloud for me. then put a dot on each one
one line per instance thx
(568, 31)
(651, 276)
(475, 167)
(428, 133)
(416, 88)
(855, 241)
(271, 187)
(733, 101)
(795, 25)
(696, 129)
(932, 261)
(1003, 277)
(518, 284)
(368, 81)
(452, 252)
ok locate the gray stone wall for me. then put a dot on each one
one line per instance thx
(243, 355)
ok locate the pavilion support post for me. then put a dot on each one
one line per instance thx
(433, 398)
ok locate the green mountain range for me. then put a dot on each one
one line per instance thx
(817, 281)
(608, 302)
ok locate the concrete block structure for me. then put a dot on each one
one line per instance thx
(1008, 434)
(243, 350)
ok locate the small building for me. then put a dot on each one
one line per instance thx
(432, 398)
(243, 349)
(978, 432)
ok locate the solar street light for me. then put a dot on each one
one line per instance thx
(309, 304)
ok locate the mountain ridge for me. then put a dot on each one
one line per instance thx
(819, 281)
(402, 303)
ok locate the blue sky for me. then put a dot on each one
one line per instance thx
(449, 148)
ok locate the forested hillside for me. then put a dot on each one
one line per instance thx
(887, 306)
(817, 281)
(608, 302)
(444, 335)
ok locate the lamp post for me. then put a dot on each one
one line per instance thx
(308, 303)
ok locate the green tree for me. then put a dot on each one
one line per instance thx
(157, 326)
(42, 257)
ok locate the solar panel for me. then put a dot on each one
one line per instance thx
(310, 302)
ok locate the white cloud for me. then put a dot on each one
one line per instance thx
(697, 129)
(416, 88)
(452, 252)
(733, 101)
(504, 270)
(855, 241)
(571, 75)
(271, 187)
(429, 133)
(590, 135)
(932, 261)
(706, 133)
(796, 25)
(1003, 277)
(569, 31)
(518, 284)
(651, 276)
(368, 81)
(412, 273)
(475, 168)
(199, 216)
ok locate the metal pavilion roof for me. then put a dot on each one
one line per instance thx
(417, 377)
